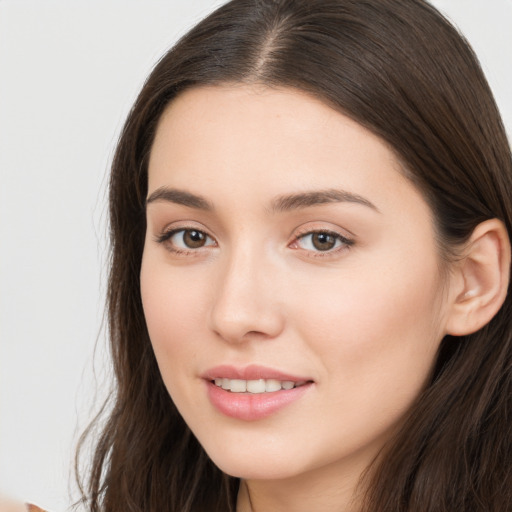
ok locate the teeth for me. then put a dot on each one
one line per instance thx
(255, 386)
(239, 386)
(272, 385)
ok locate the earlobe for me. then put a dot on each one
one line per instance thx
(482, 278)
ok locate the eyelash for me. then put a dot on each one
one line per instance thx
(165, 238)
(343, 242)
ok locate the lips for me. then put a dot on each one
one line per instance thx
(253, 392)
(251, 372)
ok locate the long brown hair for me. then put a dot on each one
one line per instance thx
(401, 70)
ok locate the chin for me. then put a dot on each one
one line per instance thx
(248, 471)
(255, 463)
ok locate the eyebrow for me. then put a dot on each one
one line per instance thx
(318, 197)
(182, 197)
(280, 204)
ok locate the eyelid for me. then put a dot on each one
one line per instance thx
(310, 230)
(167, 233)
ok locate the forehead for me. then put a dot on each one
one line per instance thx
(266, 117)
(255, 139)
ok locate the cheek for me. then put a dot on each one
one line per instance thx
(377, 333)
(377, 314)
(173, 303)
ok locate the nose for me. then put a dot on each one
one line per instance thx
(246, 303)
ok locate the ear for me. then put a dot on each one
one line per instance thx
(480, 279)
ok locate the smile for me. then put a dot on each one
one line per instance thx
(255, 386)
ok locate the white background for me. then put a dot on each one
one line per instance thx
(69, 72)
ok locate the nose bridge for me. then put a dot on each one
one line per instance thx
(245, 303)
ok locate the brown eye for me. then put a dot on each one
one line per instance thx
(194, 239)
(323, 241)
(186, 239)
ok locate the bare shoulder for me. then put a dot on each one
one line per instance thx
(8, 505)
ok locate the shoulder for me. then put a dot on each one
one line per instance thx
(7, 505)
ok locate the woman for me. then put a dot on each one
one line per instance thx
(310, 220)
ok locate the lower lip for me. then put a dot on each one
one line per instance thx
(251, 407)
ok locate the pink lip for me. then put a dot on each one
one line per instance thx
(251, 372)
(249, 406)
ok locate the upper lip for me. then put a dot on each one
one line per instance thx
(251, 372)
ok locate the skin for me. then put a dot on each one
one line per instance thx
(363, 320)
(8, 505)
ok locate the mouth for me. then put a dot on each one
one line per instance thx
(254, 392)
(257, 386)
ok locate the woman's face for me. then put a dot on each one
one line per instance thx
(284, 249)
